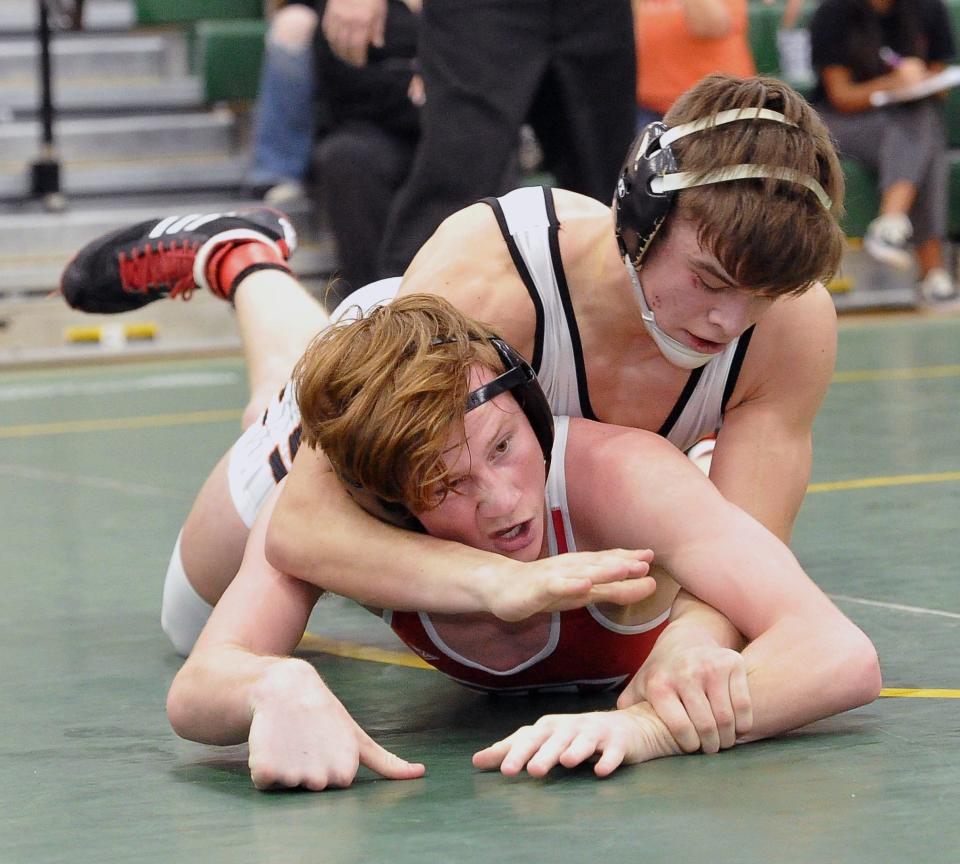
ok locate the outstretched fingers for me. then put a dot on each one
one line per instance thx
(385, 763)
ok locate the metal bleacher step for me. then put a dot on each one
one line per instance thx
(81, 54)
(137, 173)
(20, 16)
(92, 138)
(107, 94)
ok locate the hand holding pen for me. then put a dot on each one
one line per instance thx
(905, 70)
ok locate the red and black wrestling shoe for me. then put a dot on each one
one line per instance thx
(171, 257)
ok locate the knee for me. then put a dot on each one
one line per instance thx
(293, 27)
(183, 612)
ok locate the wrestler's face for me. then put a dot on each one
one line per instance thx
(691, 296)
(497, 500)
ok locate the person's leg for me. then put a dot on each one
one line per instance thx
(239, 257)
(283, 127)
(880, 140)
(360, 168)
(929, 212)
(481, 62)
(210, 546)
(585, 138)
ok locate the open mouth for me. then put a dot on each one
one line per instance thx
(515, 537)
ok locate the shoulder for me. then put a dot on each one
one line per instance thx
(622, 482)
(793, 348)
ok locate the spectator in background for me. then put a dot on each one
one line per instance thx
(284, 119)
(681, 41)
(566, 66)
(366, 147)
(860, 47)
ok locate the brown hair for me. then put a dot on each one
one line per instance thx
(381, 394)
(770, 235)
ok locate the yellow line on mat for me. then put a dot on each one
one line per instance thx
(906, 374)
(312, 643)
(920, 693)
(109, 424)
(355, 651)
(876, 482)
(157, 421)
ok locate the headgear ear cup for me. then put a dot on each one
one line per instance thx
(639, 210)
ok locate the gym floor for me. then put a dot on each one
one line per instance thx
(98, 466)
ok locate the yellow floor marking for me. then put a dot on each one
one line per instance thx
(109, 424)
(355, 651)
(908, 374)
(920, 693)
(312, 643)
(876, 482)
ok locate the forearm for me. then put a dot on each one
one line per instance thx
(357, 556)
(690, 617)
(799, 672)
(213, 698)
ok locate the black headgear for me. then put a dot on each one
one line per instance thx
(650, 177)
(517, 378)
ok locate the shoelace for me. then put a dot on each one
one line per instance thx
(153, 268)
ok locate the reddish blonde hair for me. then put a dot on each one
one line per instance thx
(380, 395)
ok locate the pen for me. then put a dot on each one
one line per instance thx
(890, 57)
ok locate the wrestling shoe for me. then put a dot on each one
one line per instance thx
(171, 257)
(886, 240)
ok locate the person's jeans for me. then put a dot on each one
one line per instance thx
(284, 118)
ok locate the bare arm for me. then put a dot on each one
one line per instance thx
(764, 449)
(318, 534)
(851, 96)
(805, 660)
(240, 683)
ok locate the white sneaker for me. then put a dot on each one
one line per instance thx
(886, 240)
(936, 286)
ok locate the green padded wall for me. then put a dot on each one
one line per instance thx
(180, 11)
(229, 55)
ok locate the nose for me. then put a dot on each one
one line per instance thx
(499, 497)
(732, 313)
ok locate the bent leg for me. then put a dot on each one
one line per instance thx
(277, 317)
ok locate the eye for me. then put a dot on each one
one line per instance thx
(503, 445)
(705, 286)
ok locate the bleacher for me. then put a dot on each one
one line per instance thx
(153, 100)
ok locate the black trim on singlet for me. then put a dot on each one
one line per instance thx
(681, 403)
(586, 409)
(739, 353)
(276, 465)
(524, 273)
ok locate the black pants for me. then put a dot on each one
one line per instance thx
(359, 167)
(488, 65)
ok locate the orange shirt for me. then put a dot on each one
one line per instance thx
(670, 60)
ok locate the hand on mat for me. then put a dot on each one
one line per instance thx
(310, 740)
(570, 581)
(699, 691)
(352, 26)
(622, 737)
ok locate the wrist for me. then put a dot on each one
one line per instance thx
(656, 739)
(283, 681)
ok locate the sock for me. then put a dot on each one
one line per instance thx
(234, 261)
